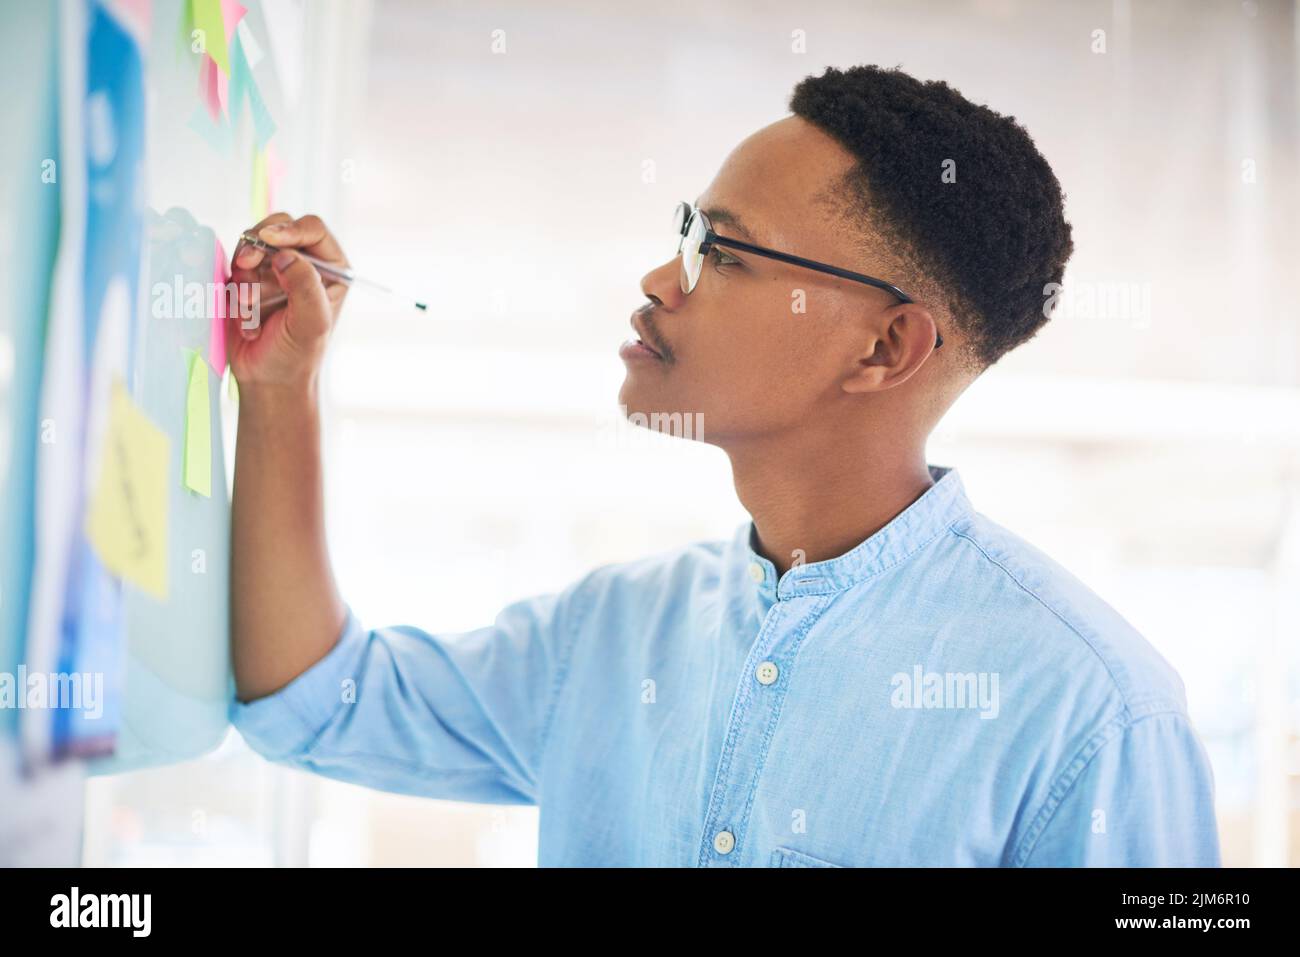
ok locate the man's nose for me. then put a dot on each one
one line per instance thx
(663, 284)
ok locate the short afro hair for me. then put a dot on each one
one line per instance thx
(991, 240)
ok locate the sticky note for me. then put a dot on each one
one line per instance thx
(252, 50)
(138, 16)
(263, 126)
(126, 522)
(261, 186)
(196, 471)
(210, 87)
(231, 15)
(207, 17)
(223, 92)
(244, 87)
(187, 27)
(217, 330)
(217, 132)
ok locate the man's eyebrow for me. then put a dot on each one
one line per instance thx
(721, 216)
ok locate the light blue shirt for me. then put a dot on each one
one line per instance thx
(942, 694)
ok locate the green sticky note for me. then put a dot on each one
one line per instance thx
(207, 17)
(197, 469)
(187, 25)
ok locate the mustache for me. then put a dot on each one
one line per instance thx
(647, 317)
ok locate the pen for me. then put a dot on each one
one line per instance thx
(342, 273)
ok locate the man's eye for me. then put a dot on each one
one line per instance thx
(720, 258)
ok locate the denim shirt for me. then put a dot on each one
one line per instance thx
(943, 694)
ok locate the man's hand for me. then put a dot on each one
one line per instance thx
(285, 610)
(284, 342)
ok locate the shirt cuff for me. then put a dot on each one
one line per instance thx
(286, 722)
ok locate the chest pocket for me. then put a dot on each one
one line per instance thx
(785, 857)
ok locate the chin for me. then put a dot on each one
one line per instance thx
(638, 400)
(627, 398)
(651, 413)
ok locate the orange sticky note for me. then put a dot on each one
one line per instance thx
(126, 522)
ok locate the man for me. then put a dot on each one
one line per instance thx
(869, 673)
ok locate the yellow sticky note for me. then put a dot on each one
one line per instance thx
(206, 16)
(197, 468)
(127, 519)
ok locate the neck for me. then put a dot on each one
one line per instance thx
(812, 500)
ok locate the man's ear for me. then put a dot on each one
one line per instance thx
(896, 343)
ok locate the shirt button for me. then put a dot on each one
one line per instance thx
(723, 842)
(766, 673)
(756, 572)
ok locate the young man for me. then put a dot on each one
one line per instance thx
(869, 673)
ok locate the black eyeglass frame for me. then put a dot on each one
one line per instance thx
(685, 212)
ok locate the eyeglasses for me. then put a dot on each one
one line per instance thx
(696, 238)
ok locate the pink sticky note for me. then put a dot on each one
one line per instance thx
(231, 14)
(223, 92)
(217, 333)
(209, 89)
(137, 15)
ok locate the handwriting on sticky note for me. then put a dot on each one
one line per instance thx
(126, 523)
(197, 468)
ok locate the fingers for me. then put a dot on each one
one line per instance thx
(256, 287)
(309, 306)
(307, 233)
(260, 314)
(261, 279)
(248, 257)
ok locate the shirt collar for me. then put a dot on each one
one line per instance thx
(910, 530)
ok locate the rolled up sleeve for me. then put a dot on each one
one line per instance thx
(459, 716)
(1142, 797)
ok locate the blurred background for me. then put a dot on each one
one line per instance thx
(517, 165)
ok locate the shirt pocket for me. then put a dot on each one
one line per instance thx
(787, 857)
